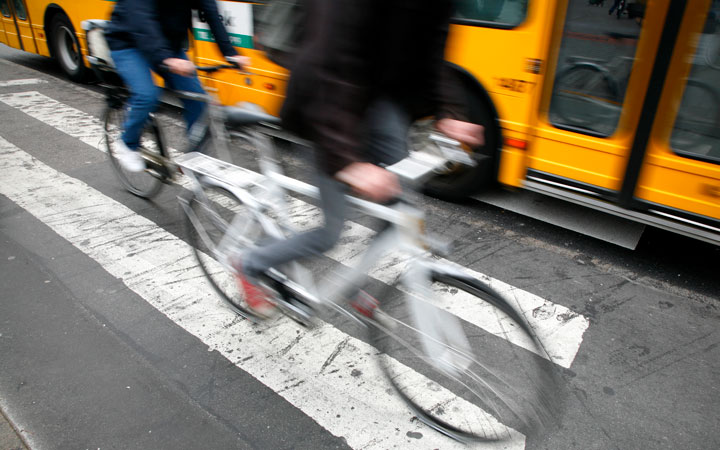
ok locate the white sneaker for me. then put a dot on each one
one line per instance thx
(130, 160)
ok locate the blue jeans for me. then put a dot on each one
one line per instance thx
(135, 71)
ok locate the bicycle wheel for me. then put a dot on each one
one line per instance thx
(208, 215)
(489, 386)
(586, 96)
(143, 184)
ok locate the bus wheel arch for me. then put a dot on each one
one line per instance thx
(64, 44)
(461, 182)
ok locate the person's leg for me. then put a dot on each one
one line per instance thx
(192, 109)
(311, 243)
(387, 124)
(135, 72)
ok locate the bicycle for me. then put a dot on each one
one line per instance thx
(449, 388)
(160, 168)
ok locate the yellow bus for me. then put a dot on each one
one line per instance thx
(51, 28)
(617, 112)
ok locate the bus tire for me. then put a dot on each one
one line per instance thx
(66, 48)
(459, 182)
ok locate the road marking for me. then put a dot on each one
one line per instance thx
(21, 82)
(310, 368)
(558, 327)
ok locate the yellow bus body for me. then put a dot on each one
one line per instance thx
(649, 161)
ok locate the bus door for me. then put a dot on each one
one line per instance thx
(679, 173)
(16, 24)
(597, 78)
(8, 30)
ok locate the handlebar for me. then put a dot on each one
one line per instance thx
(209, 69)
(419, 166)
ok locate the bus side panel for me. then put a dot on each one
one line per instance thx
(11, 34)
(3, 36)
(265, 86)
(509, 63)
(36, 12)
(500, 68)
(686, 190)
(688, 121)
(25, 27)
(593, 162)
(40, 40)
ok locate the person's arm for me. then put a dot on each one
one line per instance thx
(146, 31)
(448, 98)
(222, 39)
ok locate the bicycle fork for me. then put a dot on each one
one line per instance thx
(443, 340)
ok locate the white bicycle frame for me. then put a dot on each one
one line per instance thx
(405, 234)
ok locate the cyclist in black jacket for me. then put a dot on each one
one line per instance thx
(147, 35)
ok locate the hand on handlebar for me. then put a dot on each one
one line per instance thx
(241, 61)
(179, 66)
(370, 181)
(468, 133)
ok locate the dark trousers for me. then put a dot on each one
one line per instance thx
(387, 127)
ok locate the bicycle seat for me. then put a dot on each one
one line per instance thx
(243, 116)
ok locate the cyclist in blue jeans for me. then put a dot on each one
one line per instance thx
(146, 35)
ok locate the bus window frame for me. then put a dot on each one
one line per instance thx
(679, 95)
(15, 10)
(9, 14)
(491, 24)
(487, 24)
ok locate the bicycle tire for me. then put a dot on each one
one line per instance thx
(581, 94)
(511, 389)
(142, 184)
(204, 231)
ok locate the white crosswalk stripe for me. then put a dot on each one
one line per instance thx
(22, 82)
(558, 326)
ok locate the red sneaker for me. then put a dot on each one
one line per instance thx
(365, 304)
(256, 298)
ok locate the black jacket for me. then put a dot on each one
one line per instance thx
(353, 51)
(158, 28)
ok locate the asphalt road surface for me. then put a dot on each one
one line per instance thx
(111, 338)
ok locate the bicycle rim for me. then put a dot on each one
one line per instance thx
(143, 184)
(491, 389)
(206, 222)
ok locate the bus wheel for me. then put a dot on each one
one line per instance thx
(457, 181)
(66, 48)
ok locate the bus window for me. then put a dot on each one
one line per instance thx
(505, 13)
(696, 131)
(594, 66)
(20, 11)
(4, 8)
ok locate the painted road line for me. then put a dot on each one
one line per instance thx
(315, 370)
(560, 329)
(24, 82)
